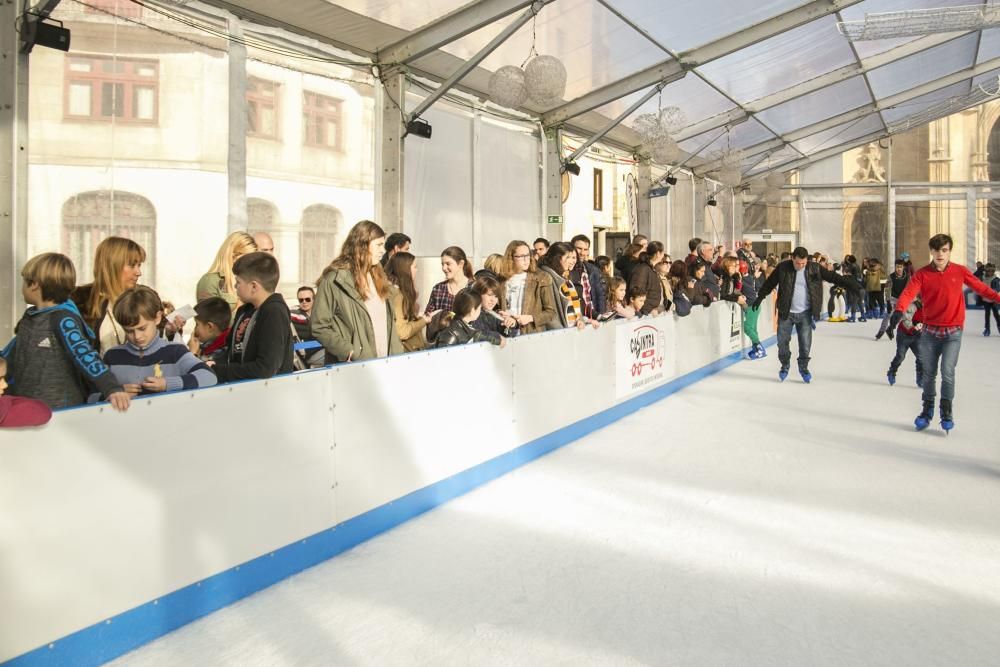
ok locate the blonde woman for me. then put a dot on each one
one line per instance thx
(117, 267)
(219, 281)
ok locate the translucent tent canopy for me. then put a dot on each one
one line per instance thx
(775, 78)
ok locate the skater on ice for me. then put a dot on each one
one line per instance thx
(939, 285)
(800, 299)
(907, 340)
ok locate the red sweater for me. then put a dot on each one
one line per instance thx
(941, 294)
(17, 411)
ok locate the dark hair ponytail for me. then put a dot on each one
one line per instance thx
(653, 248)
(466, 301)
(458, 255)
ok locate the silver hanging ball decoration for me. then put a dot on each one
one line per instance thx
(730, 177)
(665, 151)
(507, 87)
(672, 119)
(772, 196)
(775, 179)
(545, 78)
(647, 126)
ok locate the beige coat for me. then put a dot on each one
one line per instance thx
(411, 332)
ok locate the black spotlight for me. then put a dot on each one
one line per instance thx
(572, 167)
(671, 180)
(712, 201)
(44, 34)
(419, 127)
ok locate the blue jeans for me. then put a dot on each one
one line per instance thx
(803, 328)
(944, 350)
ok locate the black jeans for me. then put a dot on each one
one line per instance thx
(906, 342)
(994, 308)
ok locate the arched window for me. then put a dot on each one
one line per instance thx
(992, 249)
(321, 225)
(90, 217)
(262, 216)
(868, 232)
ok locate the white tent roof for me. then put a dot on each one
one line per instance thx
(778, 74)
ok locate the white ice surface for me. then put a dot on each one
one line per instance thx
(738, 522)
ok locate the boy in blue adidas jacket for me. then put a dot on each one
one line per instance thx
(51, 357)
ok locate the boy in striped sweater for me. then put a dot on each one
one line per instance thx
(147, 363)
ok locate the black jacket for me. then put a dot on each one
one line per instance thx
(645, 277)
(266, 348)
(783, 277)
(459, 332)
(898, 283)
(597, 296)
(731, 288)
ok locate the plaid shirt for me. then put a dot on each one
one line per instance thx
(586, 298)
(440, 299)
(940, 332)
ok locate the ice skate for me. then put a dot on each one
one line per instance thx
(761, 351)
(986, 332)
(923, 420)
(891, 377)
(947, 423)
(806, 375)
(782, 374)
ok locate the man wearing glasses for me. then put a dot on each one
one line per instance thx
(746, 254)
(300, 320)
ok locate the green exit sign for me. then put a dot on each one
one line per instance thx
(555, 219)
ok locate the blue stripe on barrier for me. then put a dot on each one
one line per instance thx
(307, 345)
(129, 630)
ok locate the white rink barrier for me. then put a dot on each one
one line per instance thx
(117, 528)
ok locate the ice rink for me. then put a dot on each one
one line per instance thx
(741, 521)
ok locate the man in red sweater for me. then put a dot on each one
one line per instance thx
(940, 287)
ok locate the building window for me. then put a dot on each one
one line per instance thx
(112, 88)
(123, 8)
(262, 216)
(322, 119)
(598, 190)
(318, 240)
(262, 108)
(90, 217)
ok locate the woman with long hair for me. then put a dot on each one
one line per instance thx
(558, 262)
(117, 267)
(644, 276)
(219, 280)
(526, 294)
(401, 271)
(457, 270)
(352, 317)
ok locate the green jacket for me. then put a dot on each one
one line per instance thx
(341, 322)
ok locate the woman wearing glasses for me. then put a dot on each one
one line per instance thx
(526, 294)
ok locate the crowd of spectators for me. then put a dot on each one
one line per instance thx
(115, 339)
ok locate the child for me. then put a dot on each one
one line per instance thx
(260, 340)
(147, 363)
(908, 339)
(636, 300)
(211, 329)
(458, 330)
(617, 308)
(748, 283)
(991, 279)
(490, 320)
(51, 357)
(16, 411)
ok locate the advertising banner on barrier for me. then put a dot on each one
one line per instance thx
(735, 329)
(642, 357)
